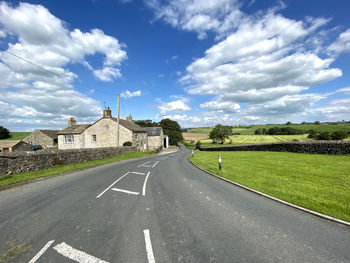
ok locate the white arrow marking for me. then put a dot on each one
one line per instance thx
(76, 255)
(149, 249)
(41, 252)
(138, 173)
(125, 191)
(116, 181)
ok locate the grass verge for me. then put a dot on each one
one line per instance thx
(314, 181)
(22, 177)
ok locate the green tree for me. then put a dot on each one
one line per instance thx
(168, 124)
(174, 137)
(323, 136)
(288, 123)
(312, 133)
(339, 135)
(258, 131)
(220, 133)
(4, 133)
(146, 123)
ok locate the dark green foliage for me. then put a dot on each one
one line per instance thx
(317, 123)
(4, 133)
(323, 136)
(198, 144)
(288, 123)
(285, 131)
(147, 123)
(174, 136)
(127, 144)
(220, 133)
(258, 131)
(312, 133)
(168, 124)
(339, 135)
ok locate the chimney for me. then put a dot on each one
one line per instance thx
(129, 118)
(71, 121)
(107, 113)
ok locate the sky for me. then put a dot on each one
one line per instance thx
(198, 62)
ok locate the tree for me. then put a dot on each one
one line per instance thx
(146, 123)
(323, 136)
(339, 135)
(168, 124)
(174, 137)
(312, 133)
(288, 123)
(258, 131)
(220, 133)
(317, 122)
(4, 133)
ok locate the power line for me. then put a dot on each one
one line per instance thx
(53, 73)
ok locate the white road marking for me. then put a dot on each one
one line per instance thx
(125, 191)
(42, 251)
(75, 254)
(138, 173)
(144, 164)
(116, 181)
(149, 249)
(144, 185)
(155, 164)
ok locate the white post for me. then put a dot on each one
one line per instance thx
(220, 161)
(118, 121)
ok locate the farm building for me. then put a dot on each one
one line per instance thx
(14, 146)
(102, 133)
(44, 138)
(156, 138)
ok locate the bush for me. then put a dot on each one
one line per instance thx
(323, 136)
(312, 133)
(4, 133)
(152, 151)
(174, 137)
(127, 143)
(339, 135)
(198, 144)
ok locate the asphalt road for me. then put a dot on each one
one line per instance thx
(158, 209)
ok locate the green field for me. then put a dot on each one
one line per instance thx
(314, 181)
(17, 135)
(247, 131)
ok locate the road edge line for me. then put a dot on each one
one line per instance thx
(42, 251)
(330, 218)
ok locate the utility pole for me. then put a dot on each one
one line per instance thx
(118, 121)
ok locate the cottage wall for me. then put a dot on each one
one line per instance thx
(140, 141)
(154, 142)
(21, 146)
(78, 142)
(39, 138)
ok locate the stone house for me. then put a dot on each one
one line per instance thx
(155, 138)
(102, 133)
(44, 138)
(14, 146)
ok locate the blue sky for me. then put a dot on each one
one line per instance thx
(194, 61)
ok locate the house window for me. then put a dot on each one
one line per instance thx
(68, 138)
(94, 138)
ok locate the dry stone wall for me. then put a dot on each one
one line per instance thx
(18, 162)
(318, 147)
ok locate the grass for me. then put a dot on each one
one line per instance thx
(22, 177)
(17, 135)
(314, 181)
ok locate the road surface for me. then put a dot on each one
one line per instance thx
(158, 209)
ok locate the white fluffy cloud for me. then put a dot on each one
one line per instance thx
(174, 106)
(45, 40)
(224, 106)
(128, 94)
(342, 44)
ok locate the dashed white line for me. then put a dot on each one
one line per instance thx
(41, 252)
(149, 249)
(125, 191)
(138, 173)
(155, 163)
(116, 181)
(144, 185)
(75, 254)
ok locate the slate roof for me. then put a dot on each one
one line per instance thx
(51, 133)
(153, 131)
(8, 144)
(130, 125)
(74, 129)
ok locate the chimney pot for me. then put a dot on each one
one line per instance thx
(71, 121)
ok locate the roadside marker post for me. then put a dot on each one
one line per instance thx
(192, 153)
(220, 161)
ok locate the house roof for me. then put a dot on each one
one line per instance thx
(50, 133)
(74, 129)
(8, 144)
(153, 131)
(130, 125)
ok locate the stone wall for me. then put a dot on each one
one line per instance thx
(319, 147)
(32, 161)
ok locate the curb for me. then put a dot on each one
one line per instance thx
(275, 199)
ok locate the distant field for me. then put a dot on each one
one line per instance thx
(251, 139)
(247, 131)
(18, 135)
(194, 136)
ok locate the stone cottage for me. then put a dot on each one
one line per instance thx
(102, 133)
(44, 138)
(14, 146)
(155, 138)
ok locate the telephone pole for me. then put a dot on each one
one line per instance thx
(118, 121)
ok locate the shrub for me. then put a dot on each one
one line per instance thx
(152, 151)
(4, 133)
(339, 135)
(323, 136)
(127, 143)
(312, 133)
(198, 144)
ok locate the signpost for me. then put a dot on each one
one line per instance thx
(220, 161)
(192, 153)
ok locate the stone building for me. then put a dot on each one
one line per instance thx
(14, 146)
(102, 133)
(44, 138)
(155, 138)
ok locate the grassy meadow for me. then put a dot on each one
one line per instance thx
(314, 181)
(17, 135)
